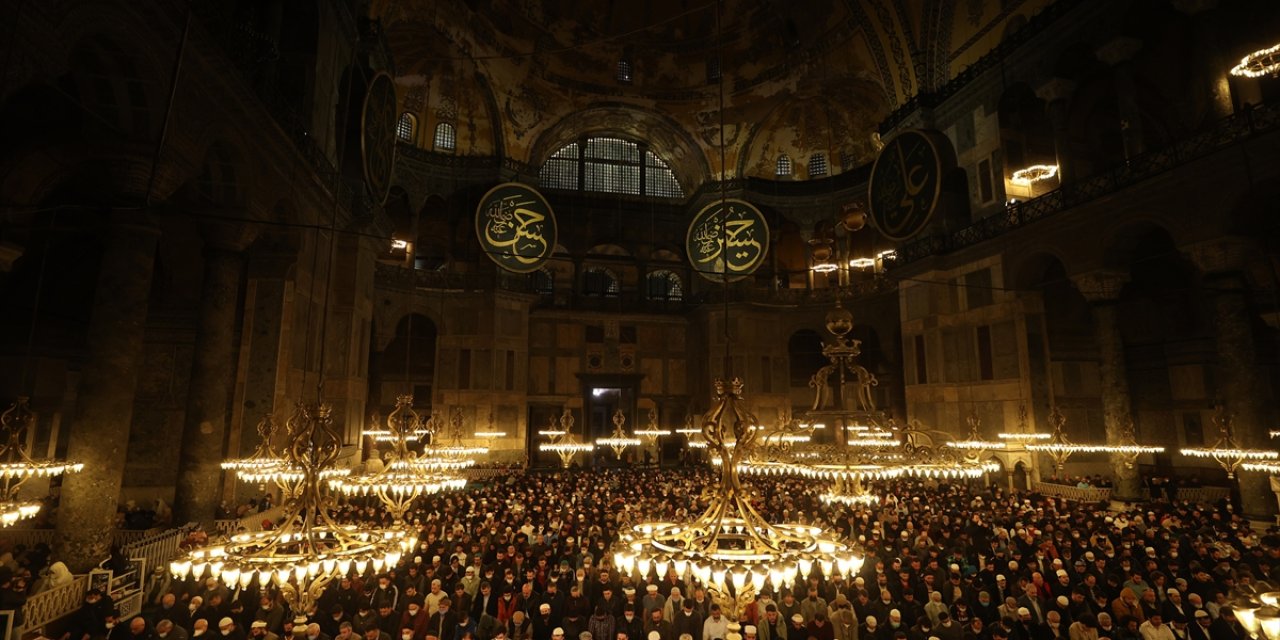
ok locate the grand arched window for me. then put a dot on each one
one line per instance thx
(610, 165)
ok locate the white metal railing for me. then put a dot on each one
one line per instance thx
(155, 550)
(48, 606)
(251, 522)
(1091, 494)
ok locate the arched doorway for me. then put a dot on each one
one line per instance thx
(406, 366)
(1020, 480)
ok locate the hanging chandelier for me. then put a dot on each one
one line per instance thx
(401, 480)
(490, 433)
(17, 466)
(309, 549)
(974, 441)
(731, 548)
(652, 432)
(267, 466)
(1060, 449)
(1228, 453)
(618, 440)
(566, 444)
(849, 493)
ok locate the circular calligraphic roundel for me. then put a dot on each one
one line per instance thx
(727, 240)
(378, 136)
(516, 227)
(905, 185)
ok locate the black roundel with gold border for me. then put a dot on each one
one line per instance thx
(906, 182)
(516, 227)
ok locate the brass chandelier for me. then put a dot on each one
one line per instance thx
(565, 444)
(1059, 448)
(1229, 454)
(618, 440)
(17, 466)
(401, 480)
(309, 549)
(731, 548)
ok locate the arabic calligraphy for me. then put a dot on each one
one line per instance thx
(728, 241)
(903, 191)
(516, 227)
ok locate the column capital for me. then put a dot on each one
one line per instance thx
(1103, 285)
(1055, 89)
(1118, 50)
(1221, 255)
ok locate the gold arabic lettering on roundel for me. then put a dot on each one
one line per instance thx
(727, 240)
(516, 227)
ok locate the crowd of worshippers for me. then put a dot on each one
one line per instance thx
(528, 558)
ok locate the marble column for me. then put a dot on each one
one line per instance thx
(1056, 93)
(1209, 62)
(1118, 53)
(212, 372)
(1102, 290)
(1241, 384)
(99, 434)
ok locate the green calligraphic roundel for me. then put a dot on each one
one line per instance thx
(516, 227)
(727, 240)
(905, 185)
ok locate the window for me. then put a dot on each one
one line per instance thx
(713, 69)
(600, 282)
(624, 70)
(922, 361)
(610, 165)
(544, 282)
(464, 369)
(664, 285)
(817, 165)
(985, 369)
(985, 188)
(446, 137)
(406, 126)
(784, 165)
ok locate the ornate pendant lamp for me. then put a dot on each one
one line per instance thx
(17, 466)
(1229, 454)
(618, 440)
(731, 548)
(1060, 448)
(566, 444)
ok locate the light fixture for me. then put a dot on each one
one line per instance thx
(1029, 436)
(17, 466)
(731, 548)
(862, 263)
(1225, 450)
(309, 549)
(566, 444)
(619, 440)
(1263, 62)
(1060, 449)
(401, 480)
(1033, 174)
(490, 433)
(652, 432)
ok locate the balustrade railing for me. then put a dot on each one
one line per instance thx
(251, 522)
(48, 606)
(1080, 494)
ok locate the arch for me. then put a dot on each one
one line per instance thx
(783, 168)
(664, 284)
(666, 138)
(804, 356)
(1121, 243)
(837, 119)
(446, 138)
(1026, 135)
(407, 363)
(608, 249)
(600, 282)
(406, 127)
(665, 255)
(610, 164)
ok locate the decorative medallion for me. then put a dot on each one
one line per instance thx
(516, 227)
(906, 183)
(378, 136)
(727, 240)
